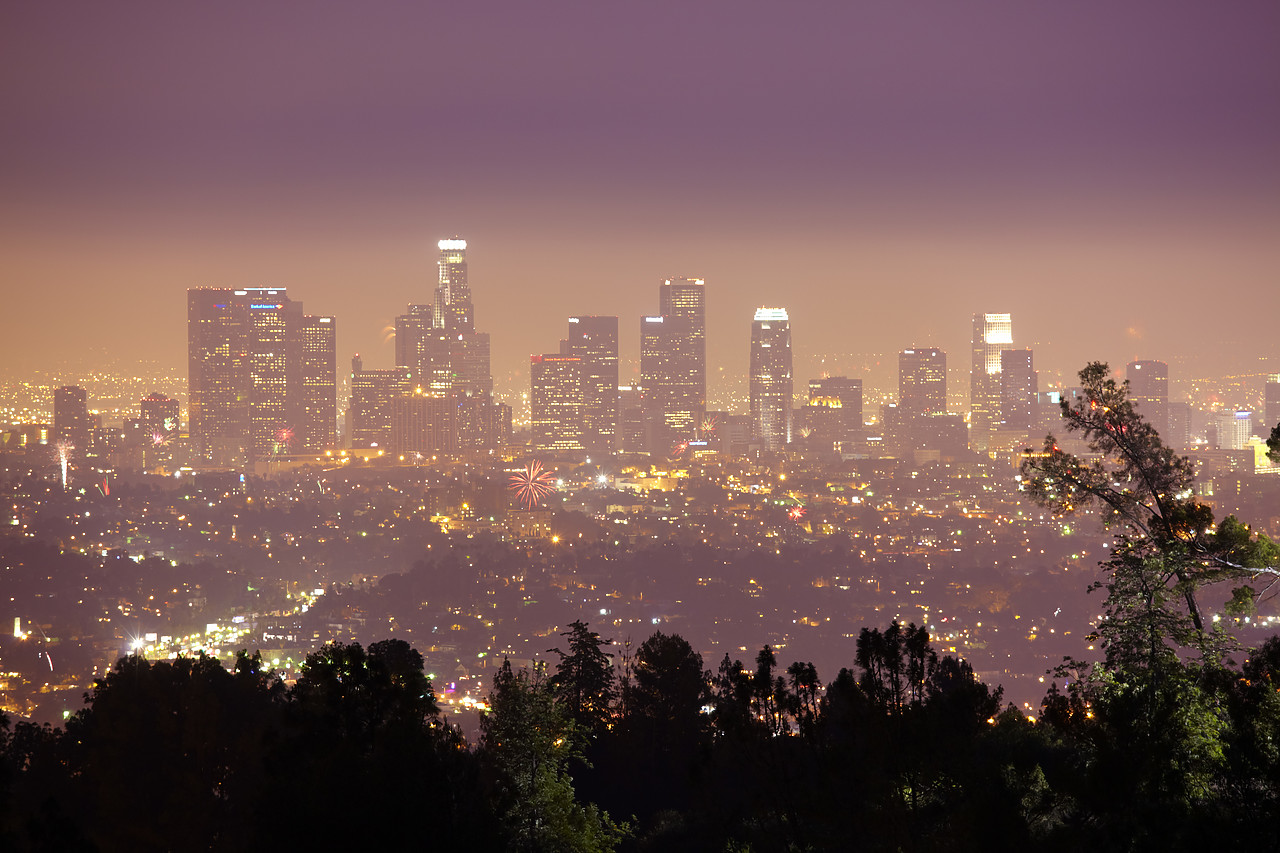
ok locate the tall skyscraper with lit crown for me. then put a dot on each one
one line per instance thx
(438, 342)
(453, 308)
(992, 333)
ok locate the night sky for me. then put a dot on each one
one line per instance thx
(1108, 172)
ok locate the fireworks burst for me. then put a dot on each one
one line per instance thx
(64, 449)
(159, 438)
(532, 484)
(710, 424)
(796, 513)
(284, 438)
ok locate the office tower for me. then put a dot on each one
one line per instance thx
(425, 350)
(1234, 429)
(594, 340)
(218, 405)
(841, 401)
(453, 311)
(316, 412)
(444, 353)
(555, 401)
(1149, 392)
(470, 358)
(273, 321)
(481, 422)
(369, 411)
(922, 382)
(771, 415)
(71, 421)
(673, 362)
(421, 423)
(991, 334)
(632, 423)
(1179, 425)
(1271, 408)
(1018, 389)
(158, 415)
(669, 416)
(259, 373)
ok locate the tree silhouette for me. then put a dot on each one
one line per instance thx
(585, 682)
(528, 742)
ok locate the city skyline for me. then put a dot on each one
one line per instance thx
(1027, 161)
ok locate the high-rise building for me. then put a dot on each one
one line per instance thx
(632, 423)
(669, 415)
(1271, 407)
(834, 411)
(71, 421)
(158, 416)
(470, 358)
(438, 342)
(369, 411)
(594, 340)
(422, 423)
(922, 382)
(425, 350)
(1179, 425)
(1018, 389)
(771, 384)
(481, 422)
(260, 375)
(991, 334)
(1149, 391)
(673, 362)
(453, 309)
(317, 399)
(1234, 429)
(273, 364)
(217, 379)
(555, 401)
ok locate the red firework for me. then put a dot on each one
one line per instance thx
(532, 484)
(796, 513)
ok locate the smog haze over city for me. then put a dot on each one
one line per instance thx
(1107, 173)
(398, 396)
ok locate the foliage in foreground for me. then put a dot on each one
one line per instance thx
(903, 750)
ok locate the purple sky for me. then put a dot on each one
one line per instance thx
(1108, 172)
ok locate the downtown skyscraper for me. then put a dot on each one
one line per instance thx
(447, 358)
(992, 333)
(922, 382)
(673, 362)
(556, 401)
(1019, 385)
(594, 341)
(261, 375)
(1149, 393)
(771, 382)
(438, 341)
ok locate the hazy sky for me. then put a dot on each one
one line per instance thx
(1107, 171)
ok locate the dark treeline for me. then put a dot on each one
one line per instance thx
(903, 750)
